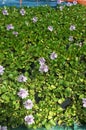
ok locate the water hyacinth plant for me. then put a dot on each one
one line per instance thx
(42, 66)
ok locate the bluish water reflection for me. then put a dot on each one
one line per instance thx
(30, 3)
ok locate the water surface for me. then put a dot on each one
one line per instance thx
(29, 3)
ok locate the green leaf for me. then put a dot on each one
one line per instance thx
(47, 126)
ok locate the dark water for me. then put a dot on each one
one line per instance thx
(29, 3)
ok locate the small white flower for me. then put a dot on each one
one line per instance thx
(5, 12)
(29, 119)
(1, 70)
(22, 78)
(15, 33)
(34, 19)
(80, 44)
(22, 12)
(61, 8)
(22, 93)
(28, 104)
(50, 28)
(84, 102)
(72, 27)
(71, 38)
(53, 56)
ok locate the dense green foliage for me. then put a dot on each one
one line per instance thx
(66, 77)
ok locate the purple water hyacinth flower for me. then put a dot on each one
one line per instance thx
(34, 19)
(29, 119)
(71, 38)
(53, 55)
(43, 68)
(41, 61)
(22, 78)
(10, 27)
(50, 28)
(59, 1)
(15, 33)
(69, 4)
(84, 105)
(23, 93)
(5, 12)
(22, 12)
(75, 2)
(84, 102)
(72, 27)
(28, 104)
(3, 128)
(1, 70)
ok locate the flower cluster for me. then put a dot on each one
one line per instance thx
(43, 67)
(28, 104)
(72, 3)
(11, 27)
(69, 4)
